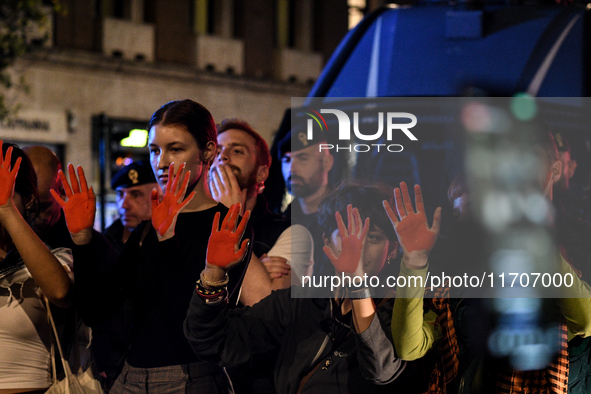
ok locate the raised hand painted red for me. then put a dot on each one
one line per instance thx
(224, 248)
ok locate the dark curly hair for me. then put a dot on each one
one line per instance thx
(365, 197)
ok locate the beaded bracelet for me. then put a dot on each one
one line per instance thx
(210, 295)
(217, 284)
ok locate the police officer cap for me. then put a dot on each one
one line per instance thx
(135, 174)
(300, 140)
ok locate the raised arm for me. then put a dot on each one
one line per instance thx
(350, 262)
(415, 236)
(224, 188)
(576, 309)
(44, 267)
(413, 333)
(80, 207)
(166, 212)
(377, 359)
(207, 317)
(224, 249)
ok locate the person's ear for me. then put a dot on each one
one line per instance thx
(327, 162)
(208, 154)
(31, 209)
(29, 205)
(326, 240)
(262, 173)
(556, 170)
(572, 166)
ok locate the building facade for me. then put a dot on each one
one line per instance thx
(123, 59)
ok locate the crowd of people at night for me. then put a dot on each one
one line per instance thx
(193, 288)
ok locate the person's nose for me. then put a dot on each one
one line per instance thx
(125, 203)
(223, 156)
(163, 161)
(287, 167)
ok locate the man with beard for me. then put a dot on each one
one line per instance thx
(238, 174)
(305, 170)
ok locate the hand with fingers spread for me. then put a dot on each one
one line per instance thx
(166, 212)
(224, 249)
(352, 240)
(80, 207)
(412, 228)
(7, 176)
(224, 187)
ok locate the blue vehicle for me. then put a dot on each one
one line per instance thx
(433, 49)
(477, 49)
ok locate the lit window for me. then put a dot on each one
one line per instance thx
(356, 12)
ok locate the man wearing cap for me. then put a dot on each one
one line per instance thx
(305, 170)
(133, 185)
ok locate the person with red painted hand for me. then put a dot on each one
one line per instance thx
(166, 212)
(224, 251)
(346, 251)
(80, 207)
(329, 344)
(238, 174)
(28, 271)
(52, 279)
(413, 333)
(352, 240)
(415, 236)
(162, 259)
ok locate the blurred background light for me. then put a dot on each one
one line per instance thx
(523, 107)
(137, 139)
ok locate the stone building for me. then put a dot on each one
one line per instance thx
(109, 64)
